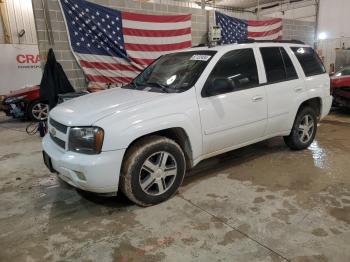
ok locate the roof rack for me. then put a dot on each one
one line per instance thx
(199, 45)
(250, 40)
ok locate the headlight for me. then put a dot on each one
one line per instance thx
(15, 99)
(86, 140)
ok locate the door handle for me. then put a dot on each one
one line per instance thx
(298, 89)
(257, 98)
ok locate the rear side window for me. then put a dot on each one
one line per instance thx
(290, 70)
(278, 66)
(309, 60)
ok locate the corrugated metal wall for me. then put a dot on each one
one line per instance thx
(20, 16)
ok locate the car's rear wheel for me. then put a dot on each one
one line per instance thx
(38, 111)
(152, 171)
(304, 129)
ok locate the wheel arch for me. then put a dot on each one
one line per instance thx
(315, 103)
(177, 134)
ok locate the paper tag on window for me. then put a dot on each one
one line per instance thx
(200, 57)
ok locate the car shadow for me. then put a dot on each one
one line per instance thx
(118, 201)
(341, 111)
(205, 169)
(212, 166)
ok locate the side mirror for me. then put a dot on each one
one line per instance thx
(217, 86)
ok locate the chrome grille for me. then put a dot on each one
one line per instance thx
(60, 127)
(58, 141)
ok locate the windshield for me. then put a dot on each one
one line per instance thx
(172, 73)
(345, 71)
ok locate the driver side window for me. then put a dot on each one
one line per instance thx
(235, 71)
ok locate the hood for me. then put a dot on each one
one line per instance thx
(88, 109)
(22, 91)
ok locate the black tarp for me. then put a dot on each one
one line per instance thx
(54, 81)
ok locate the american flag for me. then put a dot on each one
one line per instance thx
(113, 46)
(234, 29)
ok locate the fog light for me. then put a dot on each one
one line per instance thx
(80, 175)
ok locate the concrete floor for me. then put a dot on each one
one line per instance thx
(260, 203)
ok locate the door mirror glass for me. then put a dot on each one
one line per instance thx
(220, 85)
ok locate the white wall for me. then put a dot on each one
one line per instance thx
(19, 66)
(334, 18)
(304, 11)
(334, 21)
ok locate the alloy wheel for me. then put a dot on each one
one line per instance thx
(40, 111)
(158, 173)
(306, 129)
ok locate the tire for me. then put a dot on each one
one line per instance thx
(37, 111)
(152, 171)
(303, 131)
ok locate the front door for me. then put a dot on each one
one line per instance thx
(234, 115)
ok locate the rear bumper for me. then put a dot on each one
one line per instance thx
(326, 105)
(94, 173)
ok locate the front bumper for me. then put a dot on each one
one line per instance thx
(94, 173)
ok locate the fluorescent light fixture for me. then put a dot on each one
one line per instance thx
(322, 36)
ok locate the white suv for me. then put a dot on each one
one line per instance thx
(185, 107)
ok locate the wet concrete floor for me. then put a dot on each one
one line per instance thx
(259, 203)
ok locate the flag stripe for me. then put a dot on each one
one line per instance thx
(102, 58)
(155, 18)
(110, 73)
(142, 61)
(264, 33)
(158, 26)
(157, 40)
(145, 55)
(106, 80)
(264, 28)
(269, 37)
(110, 66)
(156, 33)
(157, 48)
(264, 23)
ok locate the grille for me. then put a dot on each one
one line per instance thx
(58, 141)
(58, 126)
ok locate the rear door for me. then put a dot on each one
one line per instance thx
(316, 78)
(283, 87)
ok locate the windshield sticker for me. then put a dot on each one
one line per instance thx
(200, 57)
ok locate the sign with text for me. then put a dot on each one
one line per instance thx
(19, 67)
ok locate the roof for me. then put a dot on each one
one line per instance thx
(249, 44)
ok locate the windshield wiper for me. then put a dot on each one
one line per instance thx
(133, 84)
(161, 86)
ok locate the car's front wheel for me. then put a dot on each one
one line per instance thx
(38, 111)
(152, 170)
(304, 129)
